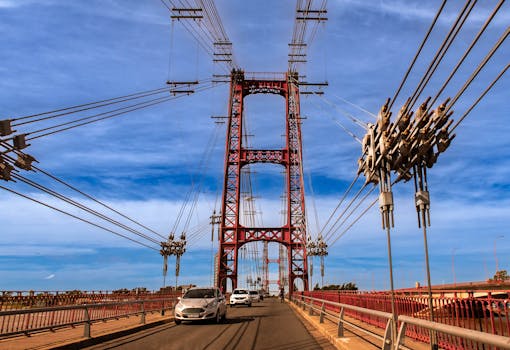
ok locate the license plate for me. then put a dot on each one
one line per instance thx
(193, 315)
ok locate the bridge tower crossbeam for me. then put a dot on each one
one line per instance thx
(292, 234)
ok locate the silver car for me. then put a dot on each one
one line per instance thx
(201, 304)
(254, 296)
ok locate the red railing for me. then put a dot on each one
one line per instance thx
(29, 320)
(485, 311)
(16, 300)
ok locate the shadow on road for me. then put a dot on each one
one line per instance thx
(240, 319)
(229, 320)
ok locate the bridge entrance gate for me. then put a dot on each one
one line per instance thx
(292, 234)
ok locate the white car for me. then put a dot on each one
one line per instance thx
(201, 304)
(255, 296)
(240, 297)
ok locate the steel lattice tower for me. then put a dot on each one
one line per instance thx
(293, 234)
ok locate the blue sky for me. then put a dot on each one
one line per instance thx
(57, 53)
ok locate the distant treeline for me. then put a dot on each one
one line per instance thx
(345, 286)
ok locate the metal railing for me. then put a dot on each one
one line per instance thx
(30, 320)
(484, 311)
(265, 76)
(327, 308)
(10, 300)
(450, 337)
(472, 339)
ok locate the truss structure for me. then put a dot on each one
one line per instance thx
(293, 234)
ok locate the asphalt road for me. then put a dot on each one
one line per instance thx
(268, 325)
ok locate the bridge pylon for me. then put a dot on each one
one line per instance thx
(292, 234)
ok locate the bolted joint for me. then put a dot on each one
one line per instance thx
(5, 170)
(25, 161)
(386, 201)
(5, 127)
(421, 116)
(383, 118)
(422, 200)
(19, 142)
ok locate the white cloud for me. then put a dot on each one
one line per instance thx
(426, 11)
(12, 250)
(21, 3)
(151, 155)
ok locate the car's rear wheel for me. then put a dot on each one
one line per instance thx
(177, 321)
(218, 316)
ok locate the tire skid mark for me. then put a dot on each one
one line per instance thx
(239, 335)
(218, 336)
(254, 344)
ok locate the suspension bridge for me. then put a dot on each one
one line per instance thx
(373, 122)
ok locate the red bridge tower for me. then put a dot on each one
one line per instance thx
(293, 234)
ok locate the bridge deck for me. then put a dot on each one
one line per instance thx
(266, 325)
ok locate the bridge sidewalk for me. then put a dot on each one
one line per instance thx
(72, 338)
(353, 339)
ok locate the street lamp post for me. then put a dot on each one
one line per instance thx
(453, 266)
(495, 253)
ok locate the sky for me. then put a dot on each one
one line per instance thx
(57, 53)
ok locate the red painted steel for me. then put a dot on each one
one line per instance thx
(293, 234)
(12, 300)
(485, 311)
(33, 319)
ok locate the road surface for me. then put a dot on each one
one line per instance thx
(268, 325)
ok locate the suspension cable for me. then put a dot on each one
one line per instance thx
(478, 69)
(331, 231)
(352, 223)
(445, 45)
(85, 105)
(503, 71)
(94, 105)
(191, 196)
(77, 217)
(352, 212)
(346, 193)
(354, 105)
(104, 116)
(82, 207)
(346, 114)
(202, 177)
(468, 50)
(438, 13)
(95, 200)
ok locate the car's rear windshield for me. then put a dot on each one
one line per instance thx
(199, 293)
(240, 291)
(253, 292)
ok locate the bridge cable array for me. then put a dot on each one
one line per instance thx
(75, 217)
(332, 231)
(15, 145)
(305, 13)
(202, 21)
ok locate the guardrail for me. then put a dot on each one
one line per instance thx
(326, 311)
(26, 321)
(489, 312)
(10, 300)
(449, 336)
(472, 339)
